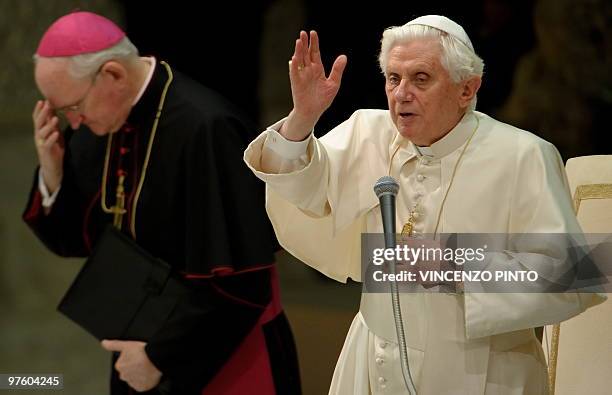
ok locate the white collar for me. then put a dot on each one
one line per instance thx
(451, 140)
(144, 86)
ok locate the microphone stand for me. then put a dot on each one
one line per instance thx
(386, 189)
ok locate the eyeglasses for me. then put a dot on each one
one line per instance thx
(78, 106)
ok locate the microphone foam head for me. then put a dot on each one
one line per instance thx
(386, 185)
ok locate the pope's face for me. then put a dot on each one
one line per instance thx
(424, 102)
(91, 101)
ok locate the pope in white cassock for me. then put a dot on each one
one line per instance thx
(460, 171)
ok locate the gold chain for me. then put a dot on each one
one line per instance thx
(118, 210)
(408, 227)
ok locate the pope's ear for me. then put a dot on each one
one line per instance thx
(469, 88)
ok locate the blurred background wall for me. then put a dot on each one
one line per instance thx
(547, 70)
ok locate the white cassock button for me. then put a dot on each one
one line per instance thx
(383, 344)
(382, 380)
(420, 178)
(380, 361)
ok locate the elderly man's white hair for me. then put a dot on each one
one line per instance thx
(458, 56)
(86, 65)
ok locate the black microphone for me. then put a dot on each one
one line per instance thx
(386, 189)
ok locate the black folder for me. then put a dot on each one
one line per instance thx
(122, 292)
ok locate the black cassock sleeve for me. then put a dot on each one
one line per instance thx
(227, 227)
(61, 231)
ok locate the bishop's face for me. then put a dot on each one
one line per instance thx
(425, 104)
(96, 101)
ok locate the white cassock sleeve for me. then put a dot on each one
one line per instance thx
(296, 191)
(295, 170)
(302, 192)
(541, 231)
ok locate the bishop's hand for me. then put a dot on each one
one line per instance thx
(49, 144)
(311, 90)
(133, 365)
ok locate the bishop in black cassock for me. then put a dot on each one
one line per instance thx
(190, 201)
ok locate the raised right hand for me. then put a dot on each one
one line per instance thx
(311, 90)
(49, 144)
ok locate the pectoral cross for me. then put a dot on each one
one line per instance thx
(118, 209)
(408, 227)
